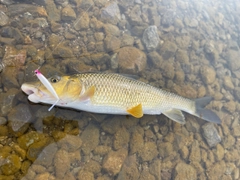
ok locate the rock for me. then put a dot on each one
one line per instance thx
(145, 174)
(10, 165)
(82, 22)
(101, 150)
(63, 52)
(3, 120)
(17, 9)
(52, 11)
(232, 58)
(168, 50)
(131, 60)
(208, 74)
(236, 131)
(36, 148)
(230, 106)
(127, 40)
(70, 143)
(237, 92)
(45, 158)
(110, 29)
(61, 163)
(112, 43)
(168, 18)
(121, 139)
(217, 170)
(114, 160)
(210, 134)
(87, 4)
(155, 168)
(68, 14)
(90, 138)
(85, 175)
(111, 13)
(21, 113)
(219, 152)
(129, 169)
(92, 166)
(195, 154)
(3, 19)
(136, 142)
(228, 83)
(156, 59)
(185, 171)
(151, 38)
(135, 16)
(182, 57)
(43, 176)
(3, 130)
(165, 149)
(149, 151)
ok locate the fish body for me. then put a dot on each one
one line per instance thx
(111, 93)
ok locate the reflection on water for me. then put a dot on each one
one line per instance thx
(187, 47)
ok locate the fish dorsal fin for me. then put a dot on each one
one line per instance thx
(88, 94)
(175, 115)
(136, 111)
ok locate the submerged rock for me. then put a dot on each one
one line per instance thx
(3, 19)
(11, 164)
(208, 74)
(151, 38)
(111, 13)
(185, 171)
(131, 60)
(210, 134)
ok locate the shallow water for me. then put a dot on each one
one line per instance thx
(190, 48)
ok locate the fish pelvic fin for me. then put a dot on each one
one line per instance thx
(175, 115)
(136, 111)
(205, 114)
(88, 94)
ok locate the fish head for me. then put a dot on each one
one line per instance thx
(68, 89)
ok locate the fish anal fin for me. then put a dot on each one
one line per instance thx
(88, 94)
(136, 111)
(175, 115)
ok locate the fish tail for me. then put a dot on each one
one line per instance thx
(205, 114)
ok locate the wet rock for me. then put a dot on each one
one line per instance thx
(90, 138)
(236, 131)
(131, 60)
(21, 113)
(232, 58)
(145, 174)
(121, 139)
(82, 22)
(195, 154)
(151, 38)
(70, 143)
(112, 43)
(111, 13)
(114, 160)
(148, 151)
(129, 169)
(36, 148)
(101, 150)
(228, 141)
(127, 40)
(168, 69)
(68, 14)
(43, 176)
(217, 170)
(85, 175)
(208, 74)
(87, 4)
(11, 165)
(210, 134)
(135, 16)
(61, 163)
(230, 106)
(191, 22)
(7, 101)
(3, 130)
(168, 18)
(155, 168)
(3, 19)
(228, 83)
(45, 158)
(136, 142)
(165, 149)
(182, 57)
(237, 92)
(184, 152)
(156, 59)
(185, 171)
(92, 166)
(219, 152)
(52, 11)
(3, 121)
(110, 29)
(63, 52)
(16, 9)
(168, 50)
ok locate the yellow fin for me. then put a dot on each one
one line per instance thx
(88, 94)
(136, 111)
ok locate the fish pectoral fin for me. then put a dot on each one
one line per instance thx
(175, 115)
(136, 111)
(88, 94)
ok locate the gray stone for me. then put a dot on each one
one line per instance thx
(3, 120)
(111, 13)
(3, 19)
(168, 50)
(20, 115)
(7, 101)
(232, 58)
(210, 134)
(151, 38)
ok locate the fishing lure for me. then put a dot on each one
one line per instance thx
(48, 85)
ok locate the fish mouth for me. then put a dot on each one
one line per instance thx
(34, 94)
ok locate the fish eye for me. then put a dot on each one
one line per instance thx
(55, 79)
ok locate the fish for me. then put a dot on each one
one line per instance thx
(112, 93)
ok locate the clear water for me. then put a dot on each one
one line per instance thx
(190, 48)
